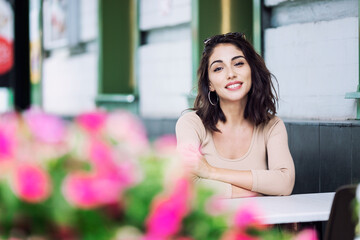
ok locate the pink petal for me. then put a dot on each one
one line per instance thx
(31, 183)
(247, 215)
(307, 234)
(102, 156)
(108, 189)
(89, 190)
(7, 145)
(167, 213)
(124, 127)
(79, 190)
(237, 235)
(215, 206)
(45, 127)
(92, 122)
(165, 221)
(165, 144)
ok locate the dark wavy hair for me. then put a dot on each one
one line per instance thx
(262, 97)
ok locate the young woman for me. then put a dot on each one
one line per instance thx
(233, 141)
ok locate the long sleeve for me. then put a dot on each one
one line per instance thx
(279, 179)
(190, 131)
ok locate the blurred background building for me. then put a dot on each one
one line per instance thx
(142, 55)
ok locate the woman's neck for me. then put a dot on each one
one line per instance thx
(234, 113)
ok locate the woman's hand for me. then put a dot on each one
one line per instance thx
(194, 162)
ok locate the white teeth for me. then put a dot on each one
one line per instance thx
(233, 85)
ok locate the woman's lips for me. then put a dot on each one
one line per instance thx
(234, 85)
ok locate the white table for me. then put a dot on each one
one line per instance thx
(312, 207)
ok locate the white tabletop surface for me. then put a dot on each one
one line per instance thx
(311, 207)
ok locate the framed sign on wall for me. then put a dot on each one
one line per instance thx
(55, 24)
(60, 23)
(6, 42)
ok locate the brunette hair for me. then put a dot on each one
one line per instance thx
(262, 97)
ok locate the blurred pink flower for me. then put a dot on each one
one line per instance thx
(107, 164)
(165, 145)
(119, 179)
(7, 144)
(215, 206)
(31, 183)
(10, 120)
(92, 189)
(307, 234)
(127, 173)
(101, 156)
(108, 189)
(92, 122)
(167, 213)
(125, 128)
(190, 157)
(45, 127)
(247, 216)
(79, 190)
(234, 234)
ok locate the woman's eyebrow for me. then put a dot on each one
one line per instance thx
(220, 61)
(236, 57)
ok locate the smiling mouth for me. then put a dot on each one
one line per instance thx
(234, 85)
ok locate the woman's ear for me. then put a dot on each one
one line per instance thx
(211, 88)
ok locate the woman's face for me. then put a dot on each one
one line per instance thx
(229, 73)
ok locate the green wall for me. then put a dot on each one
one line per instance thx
(116, 47)
(118, 41)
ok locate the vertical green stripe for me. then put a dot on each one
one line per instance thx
(116, 47)
(257, 25)
(195, 39)
(134, 43)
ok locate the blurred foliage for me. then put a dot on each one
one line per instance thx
(98, 178)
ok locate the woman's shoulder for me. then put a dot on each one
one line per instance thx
(274, 123)
(190, 120)
(190, 117)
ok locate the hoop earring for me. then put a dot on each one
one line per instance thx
(217, 99)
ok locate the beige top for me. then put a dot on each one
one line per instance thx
(268, 157)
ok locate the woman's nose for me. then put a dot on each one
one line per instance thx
(231, 73)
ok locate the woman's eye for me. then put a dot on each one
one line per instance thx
(239, 64)
(217, 69)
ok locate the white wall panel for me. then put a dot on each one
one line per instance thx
(162, 13)
(70, 84)
(316, 64)
(4, 100)
(165, 78)
(88, 20)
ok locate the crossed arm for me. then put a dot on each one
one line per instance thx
(196, 164)
(278, 179)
